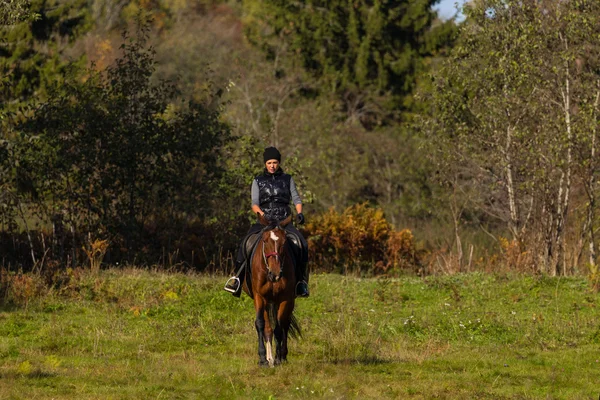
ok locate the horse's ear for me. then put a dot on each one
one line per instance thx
(263, 221)
(286, 221)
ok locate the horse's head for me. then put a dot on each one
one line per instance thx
(274, 247)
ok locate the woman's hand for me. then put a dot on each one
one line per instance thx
(257, 210)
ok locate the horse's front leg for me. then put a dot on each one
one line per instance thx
(284, 315)
(278, 344)
(268, 337)
(259, 323)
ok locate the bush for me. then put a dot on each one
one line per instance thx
(401, 252)
(20, 288)
(359, 239)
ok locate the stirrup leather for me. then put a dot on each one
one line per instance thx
(228, 287)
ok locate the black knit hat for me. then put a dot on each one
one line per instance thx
(271, 153)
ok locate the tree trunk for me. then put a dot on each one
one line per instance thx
(565, 181)
(512, 204)
(591, 181)
(29, 239)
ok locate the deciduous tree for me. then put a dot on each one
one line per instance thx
(512, 104)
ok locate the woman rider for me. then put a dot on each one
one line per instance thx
(271, 194)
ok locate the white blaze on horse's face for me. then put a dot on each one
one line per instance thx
(274, 236)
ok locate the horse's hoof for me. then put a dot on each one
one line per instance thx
(264, 363)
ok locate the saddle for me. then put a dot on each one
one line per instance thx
(295, 244)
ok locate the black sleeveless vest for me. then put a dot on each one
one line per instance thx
(275, 195)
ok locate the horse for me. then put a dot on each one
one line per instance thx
(272, 285)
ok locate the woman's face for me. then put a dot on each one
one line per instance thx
(272, 166)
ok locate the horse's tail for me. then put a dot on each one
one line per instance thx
(294, 331)
(272, 313)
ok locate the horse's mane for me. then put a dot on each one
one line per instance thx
(273, 225)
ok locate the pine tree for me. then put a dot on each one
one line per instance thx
(13, 11)
(369, 53)
(32, 50)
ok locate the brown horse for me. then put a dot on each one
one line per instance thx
(272, 286)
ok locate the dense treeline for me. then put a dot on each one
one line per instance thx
(480, 137)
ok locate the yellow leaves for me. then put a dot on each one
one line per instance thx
(504, 243)
(360, 235)
(23, 287)
(29, 369)
(25, 368)
(170, 295)
(513, 257)
(131, 10)
(104, 46)
(52, 361)
(103, 54)
(136, 311)
(95, 250)
(401, 249)
(175, 5)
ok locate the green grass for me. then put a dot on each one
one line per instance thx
(136, 334)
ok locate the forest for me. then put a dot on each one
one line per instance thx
(131, 131)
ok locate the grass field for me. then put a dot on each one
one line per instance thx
(135, 334)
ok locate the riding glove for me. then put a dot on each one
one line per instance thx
(300, 219)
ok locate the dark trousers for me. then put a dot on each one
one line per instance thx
(241, 253)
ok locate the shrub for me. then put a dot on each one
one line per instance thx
(95, 251)
(401, 252)
(19, 288)
(359, 239)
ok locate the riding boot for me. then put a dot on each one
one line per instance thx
(234, 284)
(302, 279)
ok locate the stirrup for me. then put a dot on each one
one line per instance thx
(229, 288)
(304, 294)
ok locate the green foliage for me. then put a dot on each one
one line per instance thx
(32, 51)
(137, 334)
(14, 11)
(503, 125)
(312, 112)
(367, 53)
(275, 101)
(111, 155)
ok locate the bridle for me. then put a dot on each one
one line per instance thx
(272, 254)
(275, 254)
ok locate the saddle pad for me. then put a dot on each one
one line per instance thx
(252, 240)
(250, 244)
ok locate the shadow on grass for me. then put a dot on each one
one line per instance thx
(8, 307)
(35, 374)
(358, 361)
